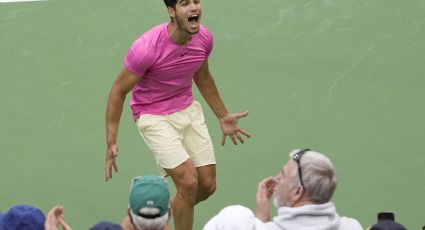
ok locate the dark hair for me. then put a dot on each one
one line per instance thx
(170, 3)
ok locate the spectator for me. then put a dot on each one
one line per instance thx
(302, 193)
(387, 225)
(235, 217)
(148, 206)
(149, 203)
(104, 225)
(386, 221)
(27, 217)
(22, 217)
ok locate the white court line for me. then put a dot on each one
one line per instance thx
(7, 1)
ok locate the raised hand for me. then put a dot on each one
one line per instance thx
(263, 195)
(54, 218)
(229, 126)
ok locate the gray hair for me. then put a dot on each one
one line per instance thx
(142, 223)
(319, 176)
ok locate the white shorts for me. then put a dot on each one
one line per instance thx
(177, 137)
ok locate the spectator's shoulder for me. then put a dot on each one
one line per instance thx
(347, 223)
(271, 226)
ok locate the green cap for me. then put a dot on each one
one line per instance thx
(149, 192)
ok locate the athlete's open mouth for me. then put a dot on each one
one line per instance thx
(194, 18)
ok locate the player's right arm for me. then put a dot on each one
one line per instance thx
(122, 85)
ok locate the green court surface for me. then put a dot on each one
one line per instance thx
(343, 77)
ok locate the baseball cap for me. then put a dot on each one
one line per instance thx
(22, 217)
(234, 217)
(149, 192)
(105, 225)
(387, 225)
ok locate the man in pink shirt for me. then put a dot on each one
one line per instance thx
(159, 68)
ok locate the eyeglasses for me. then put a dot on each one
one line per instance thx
(297, 158)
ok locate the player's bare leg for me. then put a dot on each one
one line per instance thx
(185, 179)
(206, 182)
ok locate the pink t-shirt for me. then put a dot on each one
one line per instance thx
(165, 69)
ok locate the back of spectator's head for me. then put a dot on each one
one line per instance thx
(105, 225)
(318, 175)
(234, 217)
(22, 217)
(149, 202)
(387, 225)
(386, 221)
(307, 177)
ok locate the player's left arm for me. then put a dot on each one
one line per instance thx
(228, 122)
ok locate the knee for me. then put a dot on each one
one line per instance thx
(188, 188)
(210, 187)
(207, 188)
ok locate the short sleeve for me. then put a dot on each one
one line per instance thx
(139, 58)
(210, 43)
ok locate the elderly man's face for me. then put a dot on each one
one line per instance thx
(287, 185)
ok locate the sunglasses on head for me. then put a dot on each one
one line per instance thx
(297, 158)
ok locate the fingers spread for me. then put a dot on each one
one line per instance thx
(239, 138)
(223, 140)
(233, 139)
(244, 114)
(245, 133)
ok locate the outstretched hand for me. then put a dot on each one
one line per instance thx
(229, 126)
(111, 155)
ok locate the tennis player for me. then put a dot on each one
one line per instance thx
(158, 69)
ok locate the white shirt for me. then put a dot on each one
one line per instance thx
(312, 217)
